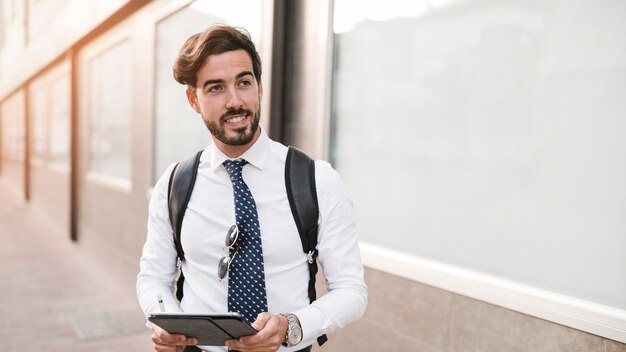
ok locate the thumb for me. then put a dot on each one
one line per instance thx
(261, 320)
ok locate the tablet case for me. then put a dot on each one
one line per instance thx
(209, 329)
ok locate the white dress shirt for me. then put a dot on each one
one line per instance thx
(210, 214)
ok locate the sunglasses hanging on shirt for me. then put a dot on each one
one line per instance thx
(224, 264)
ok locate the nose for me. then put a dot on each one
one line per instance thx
(233, 99)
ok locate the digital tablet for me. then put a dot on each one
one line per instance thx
(209, 329)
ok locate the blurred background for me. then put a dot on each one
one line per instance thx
(483, 142)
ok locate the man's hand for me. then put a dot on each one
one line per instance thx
(271, 331)
(166, 342)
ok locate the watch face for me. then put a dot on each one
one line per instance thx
(295, 335)
(294, 332)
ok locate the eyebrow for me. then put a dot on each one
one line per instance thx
(215, 81)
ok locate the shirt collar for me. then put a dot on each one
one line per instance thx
(256, 155)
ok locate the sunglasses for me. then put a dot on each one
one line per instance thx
(231, 239)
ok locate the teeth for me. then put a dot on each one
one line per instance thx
(236, 119)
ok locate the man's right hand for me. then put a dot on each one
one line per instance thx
(166, 342)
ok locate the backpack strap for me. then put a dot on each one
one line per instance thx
(302, 195)
(179, 189)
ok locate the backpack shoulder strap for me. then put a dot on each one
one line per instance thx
(302, 195)
(179, 190)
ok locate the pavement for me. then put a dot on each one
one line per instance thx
(53, 296)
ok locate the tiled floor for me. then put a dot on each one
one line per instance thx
(53, 297)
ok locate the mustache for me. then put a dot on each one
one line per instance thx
(233, 112)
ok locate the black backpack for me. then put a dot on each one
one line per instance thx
(300, 181)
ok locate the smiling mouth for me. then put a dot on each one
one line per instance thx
(235, 116)
(236, 119)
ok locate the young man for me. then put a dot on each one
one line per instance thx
(222, 71)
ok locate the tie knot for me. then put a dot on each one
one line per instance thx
(234, 167)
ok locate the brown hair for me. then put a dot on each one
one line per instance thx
(215, 40)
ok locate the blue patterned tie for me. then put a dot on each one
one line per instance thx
(246, 278)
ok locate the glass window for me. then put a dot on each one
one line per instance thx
(50, 115)
(59, 144)
(13, 133)
(180, 131)
(38, 110)
(110, 112)
(488, 135)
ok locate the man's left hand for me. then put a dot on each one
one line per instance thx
(271, 331)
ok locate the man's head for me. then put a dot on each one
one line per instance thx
(222, 71)
(217, 39)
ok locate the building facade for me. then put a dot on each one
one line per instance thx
(482, 142)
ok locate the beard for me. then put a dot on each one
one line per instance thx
(243, 135)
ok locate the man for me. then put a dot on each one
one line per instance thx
(222, 71)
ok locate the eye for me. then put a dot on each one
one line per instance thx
(245, 83)
(215, 88)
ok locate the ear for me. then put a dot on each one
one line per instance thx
(193, 100)
(260, 91)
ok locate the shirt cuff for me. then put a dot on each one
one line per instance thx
(312, 323)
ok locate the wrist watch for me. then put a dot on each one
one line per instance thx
(294, 331)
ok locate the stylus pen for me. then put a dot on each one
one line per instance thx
(160, 300)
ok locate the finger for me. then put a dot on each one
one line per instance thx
(264, 337)
(163, 338)
(273, 324)
(261, 321)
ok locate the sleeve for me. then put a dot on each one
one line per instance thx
(339, 258)
(158, 260)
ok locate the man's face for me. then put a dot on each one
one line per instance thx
(228, 97)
